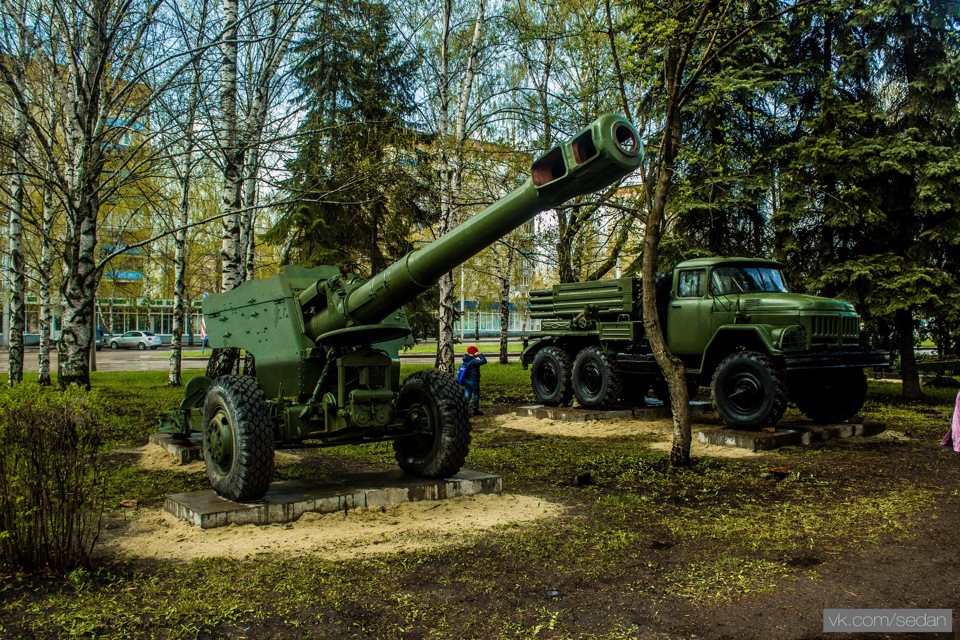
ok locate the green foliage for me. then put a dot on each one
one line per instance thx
(870, 169)
(51, 476)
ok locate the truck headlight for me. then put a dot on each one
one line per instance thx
(792, 338)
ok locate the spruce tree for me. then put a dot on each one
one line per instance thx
(873, 198)
(357, 172)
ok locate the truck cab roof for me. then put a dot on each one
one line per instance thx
(715, 260)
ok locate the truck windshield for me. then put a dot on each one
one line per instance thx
(735, 279)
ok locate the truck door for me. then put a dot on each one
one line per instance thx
(689, 313)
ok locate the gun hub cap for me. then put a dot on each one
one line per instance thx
(220, 436)
(421, 420)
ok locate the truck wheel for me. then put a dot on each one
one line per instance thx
(237, 438)
(550, 376)
(749, 391)
(596, 381)
(830, 396)
(435, 409)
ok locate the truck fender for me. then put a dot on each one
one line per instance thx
(731, 337)
(528, 354)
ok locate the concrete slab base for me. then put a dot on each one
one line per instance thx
(185, 451)
(787, 435)
(651, 410)
(287, 501)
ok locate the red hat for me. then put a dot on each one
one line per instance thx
(472, 350)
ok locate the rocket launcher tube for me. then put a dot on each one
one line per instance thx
(597, 157)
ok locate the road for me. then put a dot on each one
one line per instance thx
(110, 360)
(134, 360)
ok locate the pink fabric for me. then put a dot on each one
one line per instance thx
(953, 436)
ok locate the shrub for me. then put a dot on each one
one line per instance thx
(51, 476)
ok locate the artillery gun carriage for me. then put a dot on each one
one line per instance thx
(321, 348)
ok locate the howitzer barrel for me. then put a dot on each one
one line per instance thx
(597, 157)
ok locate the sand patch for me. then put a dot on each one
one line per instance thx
(155, 533)
(660, 429)
(155, 458)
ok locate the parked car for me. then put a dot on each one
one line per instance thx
(135, 339)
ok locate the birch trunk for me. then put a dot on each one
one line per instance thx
(248, 218)
(79, 289)
(277, 42)
(174, 378)
(444, 360)
(453, 171)
(232, 155)
(505, 273)
(85, 119)
(181, 307)
(16, 276)
(671, 366)
(46, 265)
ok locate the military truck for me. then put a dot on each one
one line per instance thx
(732, 321)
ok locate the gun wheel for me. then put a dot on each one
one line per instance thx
(829, 396)
(550, 376)
(435, 409)
(749, 391)
(596, 380)
(237, 438)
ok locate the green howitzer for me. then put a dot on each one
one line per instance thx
(321, 362)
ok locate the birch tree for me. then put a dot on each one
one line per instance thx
(265, 78)
(45, 279)
(106, 67)
(193, 30)
(231, 152)
(451, 76)
(269, 30)
(566, 78)
(17, 42)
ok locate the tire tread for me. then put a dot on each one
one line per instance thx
(254, 463)
(611, 393)
(453, 414)
(563, 360)
(780, 390)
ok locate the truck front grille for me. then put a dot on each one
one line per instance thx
(835, 329)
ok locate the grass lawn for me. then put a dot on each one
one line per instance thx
(750, 547)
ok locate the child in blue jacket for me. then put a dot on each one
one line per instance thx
(471, 379)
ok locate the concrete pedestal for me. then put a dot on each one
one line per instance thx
(185, 451)
(652, 409)
(787, 435)
(287, 501)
